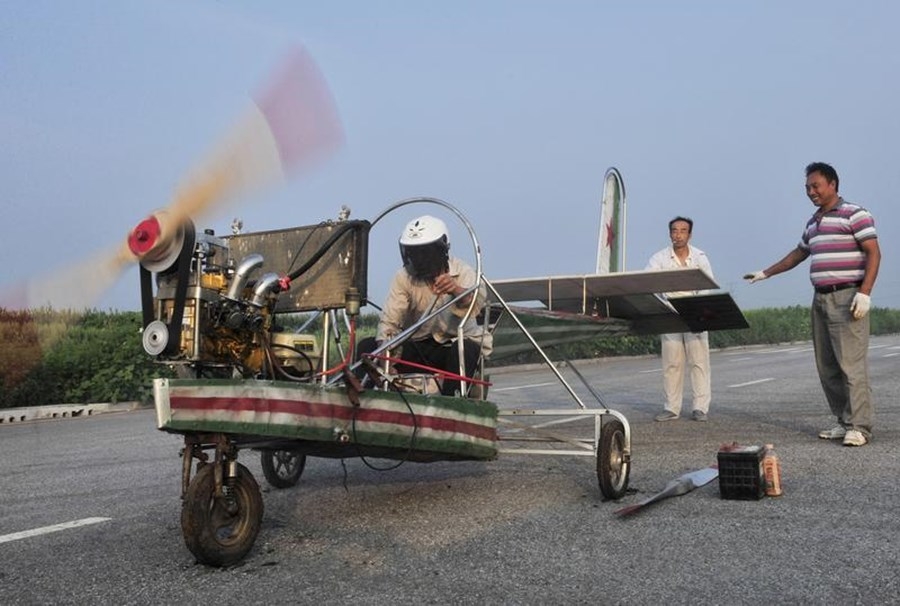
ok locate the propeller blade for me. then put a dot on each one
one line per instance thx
(677, 487)
(292, 125)
(75, 287)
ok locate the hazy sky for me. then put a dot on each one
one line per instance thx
(509, 110)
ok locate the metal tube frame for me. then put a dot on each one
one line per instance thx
(566, 416)
(479, 278)
(580, 446)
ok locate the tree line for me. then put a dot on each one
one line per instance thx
(63, 357)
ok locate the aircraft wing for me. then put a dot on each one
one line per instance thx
(576, 293)
(709, 311)
(630, 301)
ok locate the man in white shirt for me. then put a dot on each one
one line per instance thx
(689, 348)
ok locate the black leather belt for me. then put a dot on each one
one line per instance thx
(822, 290)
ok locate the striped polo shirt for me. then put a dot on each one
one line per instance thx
(832, 240)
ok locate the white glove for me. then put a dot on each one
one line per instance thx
(860, 305)
(756, 276)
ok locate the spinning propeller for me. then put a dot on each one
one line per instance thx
(292, 125)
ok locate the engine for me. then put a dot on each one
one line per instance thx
(217, 300)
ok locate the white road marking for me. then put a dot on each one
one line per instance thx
(792, 350)
(752, 382)
(739, 359)
(644, 372)
(877, 346)
(891, 355)
(496, 389)
(48, 529)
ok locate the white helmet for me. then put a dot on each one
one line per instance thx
(424, 230)
(424, 248)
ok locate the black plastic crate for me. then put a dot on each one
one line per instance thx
(741, 474)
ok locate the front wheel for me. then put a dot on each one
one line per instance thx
(282, 468)
(613, 466)
(219, 531)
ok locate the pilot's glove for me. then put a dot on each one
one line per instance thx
(755, 276)
(860, 305)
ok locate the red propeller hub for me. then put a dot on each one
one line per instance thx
(144, 236)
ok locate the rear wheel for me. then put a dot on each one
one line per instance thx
(613, 467)
(282, 468)
(219, 531)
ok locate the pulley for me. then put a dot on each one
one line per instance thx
(155, 338)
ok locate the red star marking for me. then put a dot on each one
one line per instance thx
(610, 234)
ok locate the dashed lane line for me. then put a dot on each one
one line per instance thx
(758, 381)
(6, 538)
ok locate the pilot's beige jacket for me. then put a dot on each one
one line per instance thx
(408, 300)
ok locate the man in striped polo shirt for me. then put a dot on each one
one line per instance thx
(840, 237)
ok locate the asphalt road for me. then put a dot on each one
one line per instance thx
(521, 529)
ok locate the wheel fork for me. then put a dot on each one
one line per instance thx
(225, 461)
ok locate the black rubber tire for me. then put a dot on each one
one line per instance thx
(612, 467)
(282, 468)
(216, 532)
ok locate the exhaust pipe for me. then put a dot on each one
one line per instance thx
(268, 283)
(247, 265)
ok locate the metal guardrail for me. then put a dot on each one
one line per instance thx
(61, 411)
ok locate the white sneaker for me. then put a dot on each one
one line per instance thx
(835, 433)
(855, 438)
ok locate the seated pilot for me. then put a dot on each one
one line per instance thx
(429, 279)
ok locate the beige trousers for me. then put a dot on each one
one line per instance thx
(686, 349)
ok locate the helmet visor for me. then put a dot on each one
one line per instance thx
(425, 261)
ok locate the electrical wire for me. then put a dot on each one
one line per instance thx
(303, 245)
(412, 438)
(280, 369)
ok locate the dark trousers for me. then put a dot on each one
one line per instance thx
(428, 352)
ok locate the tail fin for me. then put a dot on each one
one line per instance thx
(611, 239)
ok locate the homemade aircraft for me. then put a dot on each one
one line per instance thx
(213, 307)
(244, 383)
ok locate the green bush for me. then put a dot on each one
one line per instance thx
(70, 358)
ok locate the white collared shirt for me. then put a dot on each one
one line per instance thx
(666, 259)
